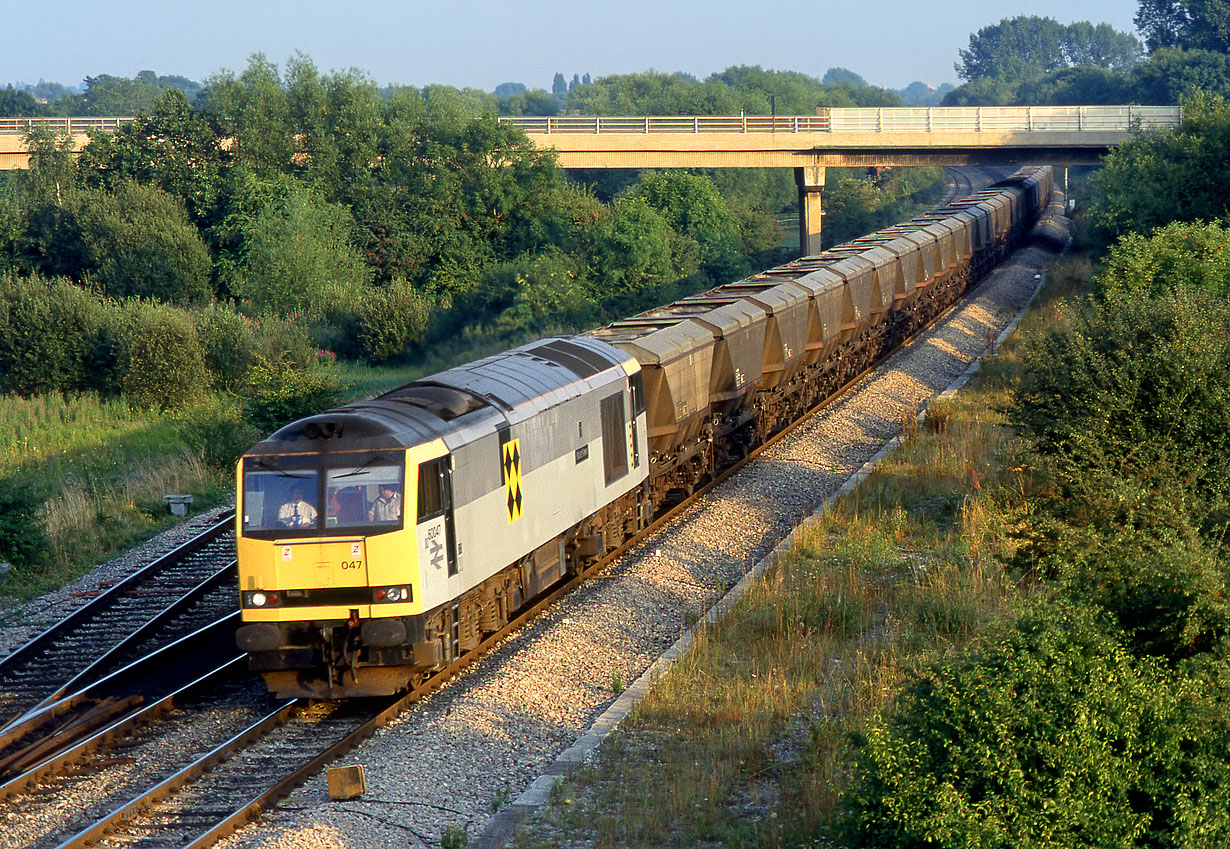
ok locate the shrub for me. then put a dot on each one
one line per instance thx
(161, 363)
(23, 539)
(1131, 384)
(218, 429)
(229, 342)
(141, 244)
(1179, 254)
(50, 333)
(390, 319)
(299, 259)
(1052, 736)
(279, 392)
(283, 340)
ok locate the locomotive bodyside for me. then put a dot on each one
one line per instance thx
(493, 466)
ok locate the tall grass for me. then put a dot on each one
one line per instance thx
(750, 739)
(100, 468)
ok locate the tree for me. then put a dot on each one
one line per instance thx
(507, 90)
(843, 75)
(1180, 254)
(173, 147)
(1159, 177)
(1173, 74)
(1129, 402)
(299, 260)
(1199, 24)
(559, 86)
(692, 207)
(19, 104)
(1027, 46)
(141, 244)
(1082, 86)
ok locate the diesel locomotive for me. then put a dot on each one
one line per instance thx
(380, 540)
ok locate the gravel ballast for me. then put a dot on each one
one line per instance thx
(489, 735)
(485, 738)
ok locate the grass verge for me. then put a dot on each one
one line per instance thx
(750, 739)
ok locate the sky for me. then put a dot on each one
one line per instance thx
(482, 43)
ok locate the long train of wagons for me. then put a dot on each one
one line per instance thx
(380, 540)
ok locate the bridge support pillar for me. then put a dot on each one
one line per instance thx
(810, 180)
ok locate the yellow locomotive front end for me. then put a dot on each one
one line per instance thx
(330, 585)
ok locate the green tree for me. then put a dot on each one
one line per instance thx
(1162, 176)
(693, 208)
(161, 363)
(1136, 388)
(1200, 24)
(299, 260)
(1083, 86)
(1181, 254)
(634, 251)
(19, 104)
(173, 147)
(140, 243)
(1024, 47)
(1172, 75)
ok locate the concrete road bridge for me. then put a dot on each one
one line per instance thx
(1000, 135)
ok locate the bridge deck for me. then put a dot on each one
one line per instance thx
(833, 137)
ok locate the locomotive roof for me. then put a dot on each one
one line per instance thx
(479, 396)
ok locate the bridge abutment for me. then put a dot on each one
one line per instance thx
(810, 180)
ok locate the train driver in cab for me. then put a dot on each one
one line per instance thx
(386, 508)
(297, 513)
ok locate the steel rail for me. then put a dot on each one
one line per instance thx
(109, 658)
(19, 675)
(123, 727)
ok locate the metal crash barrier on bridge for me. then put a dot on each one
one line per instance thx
(938, 119)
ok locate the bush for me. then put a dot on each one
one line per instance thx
(141, 244)
(50, 335)
(1133, 384)
(278, 392)
(390, 319)
(161, 363)
(282, 340)
(299, 260)
(218, 429)
(1052, 736)
(1179, 254)
(23, 539)
(229, 342)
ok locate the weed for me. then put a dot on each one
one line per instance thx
(454, 837)
(500, 798)
(617, 683)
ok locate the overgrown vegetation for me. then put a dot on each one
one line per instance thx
(226, 261)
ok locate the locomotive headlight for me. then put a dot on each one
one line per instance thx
(258, 599)
(392, 594)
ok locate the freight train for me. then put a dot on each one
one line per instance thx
(379, 541)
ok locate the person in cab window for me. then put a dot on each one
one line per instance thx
(386, 508)
(297, 513)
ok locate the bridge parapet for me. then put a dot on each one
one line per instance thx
(939, 119)
(63, 126)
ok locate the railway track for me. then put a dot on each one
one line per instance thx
(174, 595)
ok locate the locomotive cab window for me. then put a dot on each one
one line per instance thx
(295, 496)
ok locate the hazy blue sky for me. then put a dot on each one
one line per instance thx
(482, 43)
